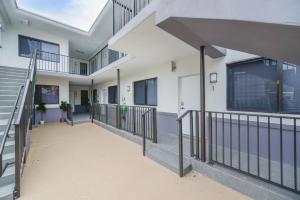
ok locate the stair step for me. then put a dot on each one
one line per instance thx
(8, 97)
(13, 69)
(12, 79)
(6, 108)
(5, 115)
(9, 72)
(8, 158)
(7, 102)
(7, 192)
(168, 159)
(9, 147)
(8, 176)
(11, 133)
(9, 92)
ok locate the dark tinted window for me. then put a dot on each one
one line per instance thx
(291, 88)
(145, 92)
(48, 94)
(113, 95)
(264, 85)
(27, 45)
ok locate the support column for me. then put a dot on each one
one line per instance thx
(202, 103)
(92, 102)
(119, 100)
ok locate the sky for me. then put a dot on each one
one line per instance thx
(77, 13)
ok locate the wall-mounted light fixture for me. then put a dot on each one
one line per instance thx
(173, 66)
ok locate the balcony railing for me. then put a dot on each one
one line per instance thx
(125, 10)
(265, 147)
(138, 120)
(53, 62)
(103, 58)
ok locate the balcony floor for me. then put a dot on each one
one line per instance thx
(87, 162)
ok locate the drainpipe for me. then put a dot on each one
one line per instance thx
(202, 103)
(119, 100)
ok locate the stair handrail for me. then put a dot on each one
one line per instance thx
(6, 133)
(30, 78)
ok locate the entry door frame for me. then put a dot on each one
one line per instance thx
(179, 89)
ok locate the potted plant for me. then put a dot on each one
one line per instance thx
(42, 109)
(64, 108)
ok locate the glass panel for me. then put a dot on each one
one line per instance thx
(27, 46)
(48, 94)
(151, 92)
(50, 52)
(140, 93)
(105, 57)
(291, 88)
(252, 86)
(112, 94)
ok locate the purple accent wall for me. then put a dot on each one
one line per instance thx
(52, 115)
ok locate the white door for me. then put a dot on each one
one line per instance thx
(189, 98)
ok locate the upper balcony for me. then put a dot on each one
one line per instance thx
(52, 62)
(125, 10)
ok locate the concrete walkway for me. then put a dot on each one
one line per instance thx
(87, 162)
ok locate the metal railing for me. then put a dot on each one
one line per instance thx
(263, 146)
(125, 10)
(130, 118)
(53, 62)
(103, 58)
(193, 126)
(70, 114)
(24, 104)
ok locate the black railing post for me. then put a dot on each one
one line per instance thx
(197, 156)
(154, 124)
(210, 149)
(180, 148)
(202, 102)
(191, 134)
(93, 108)
(106, 113)
(134, 120)
(144, 135)
(17, 162)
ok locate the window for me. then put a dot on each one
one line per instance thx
(48, 94)
(264, 85)
(113, 95)
(27, 45)
(145, 92)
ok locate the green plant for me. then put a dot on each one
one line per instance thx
(42, 109)
(63, 106)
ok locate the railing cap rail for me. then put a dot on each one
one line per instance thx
(255, 114)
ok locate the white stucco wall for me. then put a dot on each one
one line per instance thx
(9, 53)
(168, 81)
(63, 87)
(75, 94)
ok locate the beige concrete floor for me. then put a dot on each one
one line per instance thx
(87, 162)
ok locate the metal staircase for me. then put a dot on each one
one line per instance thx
(16, 105)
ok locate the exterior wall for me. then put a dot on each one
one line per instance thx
(54, 113)
(168, 86)
(9, 53)
(75, 94)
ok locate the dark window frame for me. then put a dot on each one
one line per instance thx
(36, 99)
(279, 107)
(37, 40)
(146, 92)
